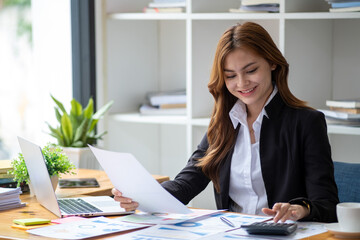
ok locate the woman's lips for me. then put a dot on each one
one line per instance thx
(247, 91)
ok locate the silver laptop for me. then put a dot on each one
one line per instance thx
(45, 194)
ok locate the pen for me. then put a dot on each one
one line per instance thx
(227, 221)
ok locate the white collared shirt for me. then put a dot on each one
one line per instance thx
(247, 187)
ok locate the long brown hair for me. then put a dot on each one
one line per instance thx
(221, 133)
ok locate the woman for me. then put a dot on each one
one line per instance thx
(265, 151)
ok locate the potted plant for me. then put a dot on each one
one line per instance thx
(56, 162)
(76, 129)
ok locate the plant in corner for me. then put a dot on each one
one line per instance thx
(56, 163)
(77, 128)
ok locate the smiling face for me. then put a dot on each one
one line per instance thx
(248, 77)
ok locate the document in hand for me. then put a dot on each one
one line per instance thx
(135, 182)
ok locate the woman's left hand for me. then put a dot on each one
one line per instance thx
(286, 211)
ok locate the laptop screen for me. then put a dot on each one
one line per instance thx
(39, 176)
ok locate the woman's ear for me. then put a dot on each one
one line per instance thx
(273, 67)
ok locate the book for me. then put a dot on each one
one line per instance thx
(257, 2)
(345, 4)
(336, 121)
(168, 97)
(173, 105)
(340, 1)
(146, 109)
(261, 7)
(347, 110)
(345, 103)
(340, 115)
(5, 166)
(6, 175)
(348, 9)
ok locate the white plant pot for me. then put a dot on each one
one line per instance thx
(81, 157)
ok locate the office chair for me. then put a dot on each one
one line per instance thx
(347, 178)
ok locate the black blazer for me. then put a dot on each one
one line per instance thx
(295, 160)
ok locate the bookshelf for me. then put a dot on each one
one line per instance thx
(141, 52)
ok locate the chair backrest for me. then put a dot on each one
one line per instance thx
(347, 177)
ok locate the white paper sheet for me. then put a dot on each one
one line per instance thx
(132, 179)
(167, 218)
(192, 229)
(87, 228)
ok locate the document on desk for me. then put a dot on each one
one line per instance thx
(87, 228)
(135, 182)
(203, 228)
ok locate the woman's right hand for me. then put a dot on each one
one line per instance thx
(125, 202)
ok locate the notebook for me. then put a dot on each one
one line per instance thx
(64, 207)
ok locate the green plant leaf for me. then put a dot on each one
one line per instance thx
(58, 115)
(59, 104)
(66, 128)
(56, 133)
(75, 121)
(103, 110)
(76, 108)
(100, 135)
(78, 144)
(81, 130)
(92, 125)
(89, 110)
(79, 125)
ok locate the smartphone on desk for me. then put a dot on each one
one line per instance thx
(78, 183)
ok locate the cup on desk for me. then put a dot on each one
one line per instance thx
(348, 214)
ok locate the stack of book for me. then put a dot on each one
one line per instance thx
(344, 5)
(258, 6)
(6, 179)
(165, 103)
(166, 6)
(10, 198)
(343, 112)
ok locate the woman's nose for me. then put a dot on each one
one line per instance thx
(241, 81)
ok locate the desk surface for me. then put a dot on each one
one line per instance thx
(34, 210)
(102, 178)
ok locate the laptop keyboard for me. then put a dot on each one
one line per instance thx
(76, 206)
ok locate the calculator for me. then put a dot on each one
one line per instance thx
(270, 228)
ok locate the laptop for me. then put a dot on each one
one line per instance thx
(64, 207)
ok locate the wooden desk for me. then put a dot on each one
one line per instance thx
(102, 178)
(34, 210)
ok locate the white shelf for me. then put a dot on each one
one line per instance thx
(148, 16)
(338, 129)
(204, 122)
(234, 16)
(200, 122)
(138, 118)
(322, 15)
(145, 52)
